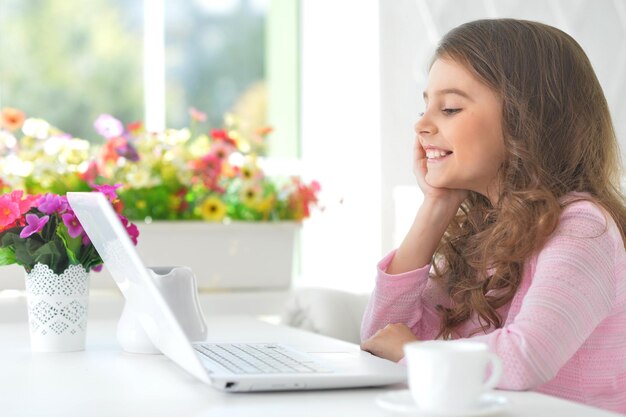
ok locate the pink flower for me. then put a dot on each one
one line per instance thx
(12, 207)
(197, 115)
(74, 228)
(24, 203)
(34, 225)
(9, 211)
(222, 150)
(131, 229)
(52, 203)
(90, 174)
(108, 126)
(108, 190)
(133, 232)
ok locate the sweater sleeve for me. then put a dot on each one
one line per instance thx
(573, 289)
(409, 298)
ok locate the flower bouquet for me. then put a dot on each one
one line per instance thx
(180, 175)
(44, 230)
(43, 159)
(43, 235)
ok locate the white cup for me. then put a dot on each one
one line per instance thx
(449, 376)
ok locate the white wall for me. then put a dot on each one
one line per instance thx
(410, 30)
(364, 65)
(340, 141)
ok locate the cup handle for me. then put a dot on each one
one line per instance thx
(496, 372)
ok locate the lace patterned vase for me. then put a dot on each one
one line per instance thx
(57, 308)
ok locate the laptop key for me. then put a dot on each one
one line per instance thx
(254, 358)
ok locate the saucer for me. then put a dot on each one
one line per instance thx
(402, 401)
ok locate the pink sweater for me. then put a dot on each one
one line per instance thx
(564, 332)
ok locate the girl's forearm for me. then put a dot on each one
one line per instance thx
(420, 243)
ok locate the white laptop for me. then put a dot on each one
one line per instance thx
(234, 366)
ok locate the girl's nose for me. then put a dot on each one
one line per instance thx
(424, 125)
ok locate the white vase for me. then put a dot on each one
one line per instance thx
(177, 285)
(57, 308)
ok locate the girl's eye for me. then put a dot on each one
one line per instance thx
(420, 114)
(450, 112)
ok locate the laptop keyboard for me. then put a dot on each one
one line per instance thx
(260, 358)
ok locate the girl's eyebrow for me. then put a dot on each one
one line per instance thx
(450, 91)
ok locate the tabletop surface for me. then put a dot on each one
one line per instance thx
(103, 380)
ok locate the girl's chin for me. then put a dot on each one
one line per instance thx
(436, 181)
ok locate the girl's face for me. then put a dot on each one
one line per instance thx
(461, 130)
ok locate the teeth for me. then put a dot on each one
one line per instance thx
(430, 154)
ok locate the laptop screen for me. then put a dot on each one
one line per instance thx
(112, 242)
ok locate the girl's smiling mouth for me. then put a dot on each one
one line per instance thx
(434, 153)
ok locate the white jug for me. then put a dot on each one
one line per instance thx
(177, 285)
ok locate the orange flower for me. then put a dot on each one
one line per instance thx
(109, 151)
(264, 130)
(12, 119)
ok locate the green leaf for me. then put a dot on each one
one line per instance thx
(24, 251)
(52, 254)
(7, 256)
(72, 245)
(89, 257)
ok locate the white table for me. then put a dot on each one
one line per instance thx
(104, 381)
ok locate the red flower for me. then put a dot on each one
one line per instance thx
(90, 174)
(207, 170)
(184, 204)
(109, 151)
(118, 206)
(304, 197)
(222, 134)
(13, 207)
(135, 128)
(9, 212)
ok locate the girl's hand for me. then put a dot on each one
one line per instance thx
(388, 342)
(420, 168)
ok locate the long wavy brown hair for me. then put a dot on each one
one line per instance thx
(559, 139)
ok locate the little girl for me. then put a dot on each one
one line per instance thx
(519, 242)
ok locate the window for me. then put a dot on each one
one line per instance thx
(69, 61)
(215, 59)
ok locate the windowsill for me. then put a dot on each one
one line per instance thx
(107, 304)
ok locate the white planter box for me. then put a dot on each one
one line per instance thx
(237, 255)
(240, 255)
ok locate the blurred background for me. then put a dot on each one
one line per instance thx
(339, 80)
